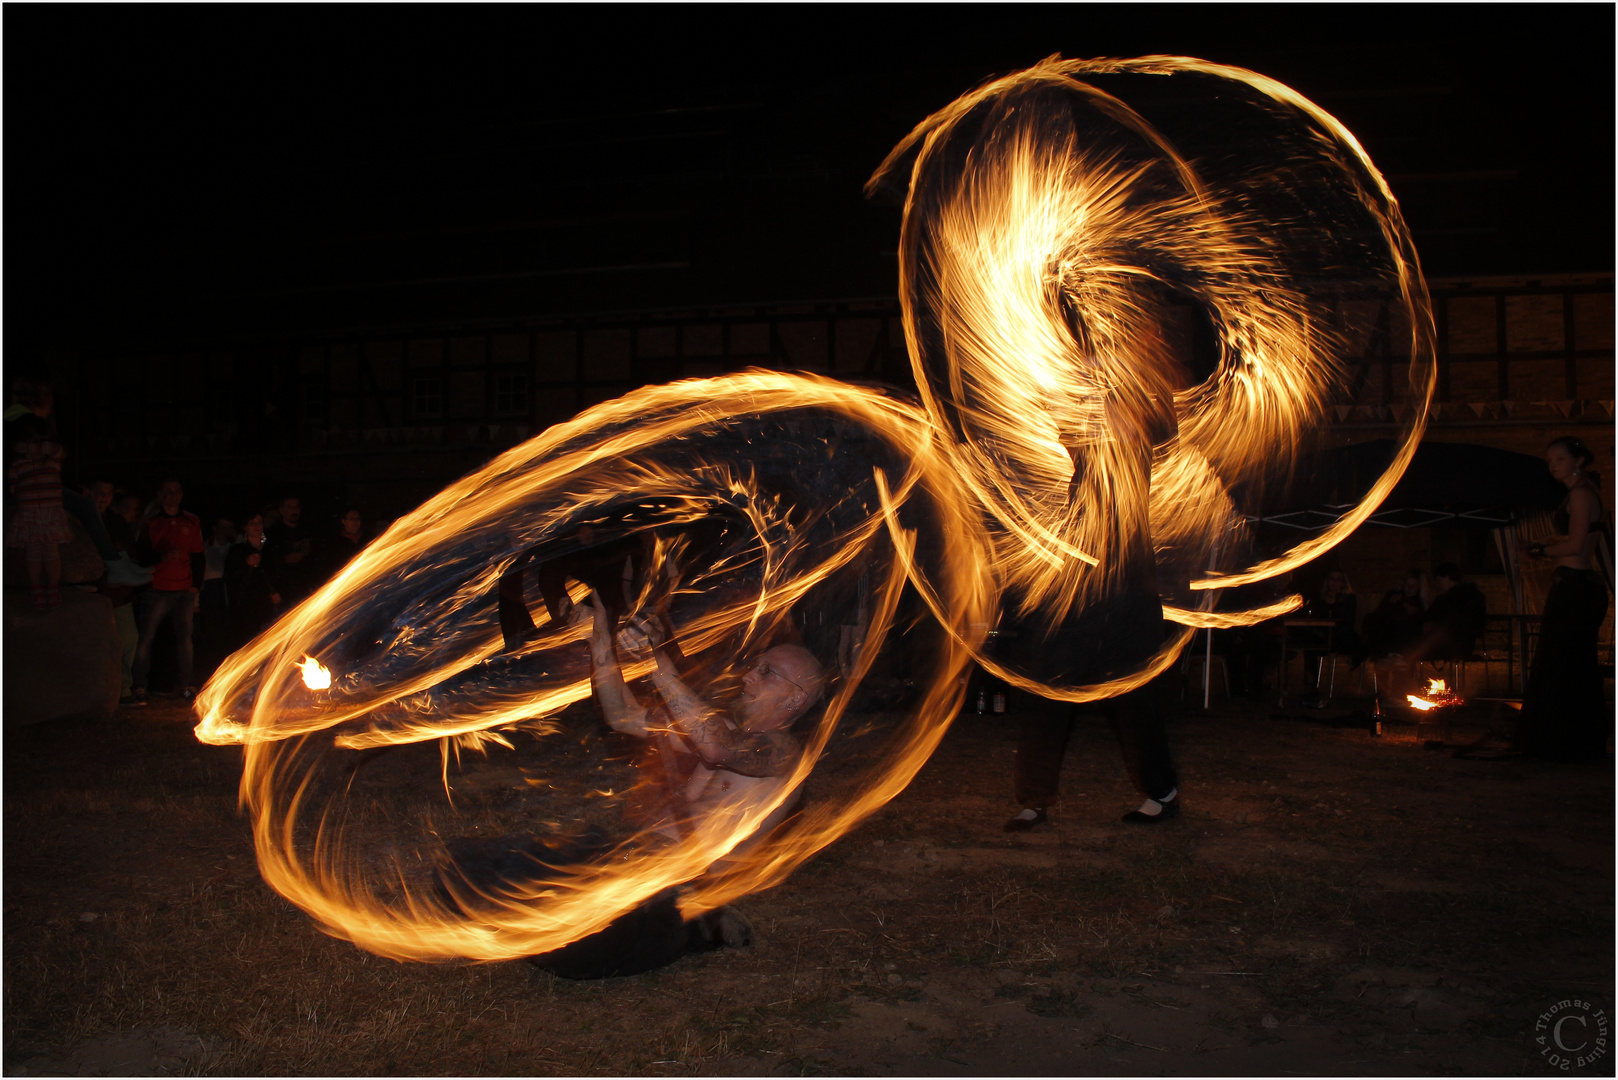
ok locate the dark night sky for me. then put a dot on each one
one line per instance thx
(191, 173)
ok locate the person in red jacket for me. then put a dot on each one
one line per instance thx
(172, 539)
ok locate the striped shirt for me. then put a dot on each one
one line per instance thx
(36, 479)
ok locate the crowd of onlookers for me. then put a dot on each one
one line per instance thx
(213, 586)
(217, 593)
(1425, 618)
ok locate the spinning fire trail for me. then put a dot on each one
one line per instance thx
(1124, 285)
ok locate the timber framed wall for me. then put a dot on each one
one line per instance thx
(1519, 360)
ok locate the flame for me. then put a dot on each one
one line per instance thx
(1060, 452)
(1436, 688)
(1051, 233)
(433, 575)
(316, 676)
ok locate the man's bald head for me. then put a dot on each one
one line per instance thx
(780, 686)
(800, 665)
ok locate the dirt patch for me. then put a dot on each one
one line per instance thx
(1329, 902)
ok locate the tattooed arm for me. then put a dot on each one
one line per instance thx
(623, 710)
(721, 746)
(717, 742)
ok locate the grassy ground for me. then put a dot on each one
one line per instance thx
(1329, 902)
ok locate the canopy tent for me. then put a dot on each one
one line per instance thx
(1446, 483)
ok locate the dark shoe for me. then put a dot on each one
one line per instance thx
(734, 929)
(133, 701)
(1021, 823)
(722, 928)
(188, 693)
(1170, 809)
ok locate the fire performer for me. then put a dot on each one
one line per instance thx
(1121, 625)
(1563, 716)
(740, 763)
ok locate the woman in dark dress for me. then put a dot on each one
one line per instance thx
(1563, 715)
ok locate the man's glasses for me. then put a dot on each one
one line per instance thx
(766, 670)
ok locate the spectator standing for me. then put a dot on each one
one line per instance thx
(39, 524)
(214, 605)
(123, 570)
(172, 538)
(1564, 714)
(37, 398)
(1252, 652)
(347, 542)
(290, 547)
(119, 517)
(249, 577)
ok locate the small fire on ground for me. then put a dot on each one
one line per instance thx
(1438, 696)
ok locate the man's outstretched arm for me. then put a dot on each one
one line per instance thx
(623, 710)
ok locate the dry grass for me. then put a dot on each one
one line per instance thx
(1333, 871)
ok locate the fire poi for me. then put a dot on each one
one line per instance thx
(1067, 230)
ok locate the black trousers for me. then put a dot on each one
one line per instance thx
(1564, 716)
(645, 937)
(1101, 641)
(1139, 721)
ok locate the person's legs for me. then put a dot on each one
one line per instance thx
(129, 635)
(33, 554)
(184, 610)
(1141, 721)
(1040, 748)
(155, 607)
(647, 936)
(212, 613)
(1591, 719)
(644, 938)
(1563, 717)
(1313, 661)
(52, 573)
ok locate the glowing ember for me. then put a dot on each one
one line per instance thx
(315, 674)
(1057, 245)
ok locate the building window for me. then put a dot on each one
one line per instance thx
(426, 396)
(511, 395)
